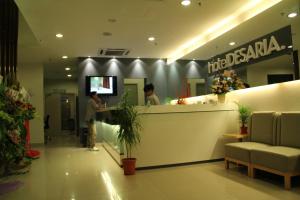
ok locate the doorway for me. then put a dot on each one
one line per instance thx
(132, 90)
(135, 88)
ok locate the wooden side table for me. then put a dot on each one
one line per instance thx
(237, 136)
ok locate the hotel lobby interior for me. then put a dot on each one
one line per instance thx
(149, 99)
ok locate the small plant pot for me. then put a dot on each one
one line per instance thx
(129, 166)
(244, 130)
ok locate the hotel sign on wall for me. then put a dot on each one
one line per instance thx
(268, 46)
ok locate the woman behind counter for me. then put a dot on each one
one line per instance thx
(152, 98)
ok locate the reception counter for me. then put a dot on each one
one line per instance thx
(174, 134)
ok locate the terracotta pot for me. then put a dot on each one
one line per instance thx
(129, 166)
(221, 98)
(244, 130)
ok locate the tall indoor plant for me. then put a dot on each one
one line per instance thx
(244, 114)
(128, 133)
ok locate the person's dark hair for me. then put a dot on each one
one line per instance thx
(92, 94)
(149, 87)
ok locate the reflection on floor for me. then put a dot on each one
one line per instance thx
(67, 172)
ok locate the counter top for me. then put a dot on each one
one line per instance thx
(179, 108)
(164, 109)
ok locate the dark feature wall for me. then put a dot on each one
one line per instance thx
(167, 79)
(9, 22)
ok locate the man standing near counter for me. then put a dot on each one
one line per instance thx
(152, 98)
(94, 104)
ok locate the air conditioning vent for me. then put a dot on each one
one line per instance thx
(113, 52)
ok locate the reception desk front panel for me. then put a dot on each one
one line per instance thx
(177, 134)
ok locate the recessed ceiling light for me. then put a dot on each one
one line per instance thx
(290, 47)
(67, 68)
(185, 2)
(292, 15)
(69, 75)
(59, 35)
(89, 56)
(151, 39)
(194, 59)
(232, 43)
(64, 57)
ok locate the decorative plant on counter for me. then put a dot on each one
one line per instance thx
(128, 133)
(226, 82)
(245, 113)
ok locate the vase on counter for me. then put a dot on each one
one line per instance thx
(221, 98)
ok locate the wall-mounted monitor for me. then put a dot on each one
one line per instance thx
(103, 85)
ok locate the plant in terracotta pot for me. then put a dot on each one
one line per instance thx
(128, 133)
(245, 113)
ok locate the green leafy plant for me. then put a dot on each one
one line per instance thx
(13, 113)
(128, 120)
(245, 113)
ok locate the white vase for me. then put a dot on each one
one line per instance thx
(221, 98)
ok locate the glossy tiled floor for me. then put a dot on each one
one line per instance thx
(66, 172)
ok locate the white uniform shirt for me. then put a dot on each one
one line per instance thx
(91, 110)
(153, 100)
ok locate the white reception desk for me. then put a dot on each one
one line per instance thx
(177, 134)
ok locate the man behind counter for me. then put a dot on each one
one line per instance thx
(152, 98)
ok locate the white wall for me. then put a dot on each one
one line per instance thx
(70, 86)
(257, 74)
(275, 97)
(31, 77)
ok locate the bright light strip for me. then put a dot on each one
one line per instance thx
(185, 2)
(110, 187)
(249, 10)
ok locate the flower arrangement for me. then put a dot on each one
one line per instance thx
(226, 82)
(14, 110)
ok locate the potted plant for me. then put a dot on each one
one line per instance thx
(128, 133)
(245, 113)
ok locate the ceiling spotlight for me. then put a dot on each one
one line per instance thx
(67, 68)
(232, 43)
(151, 39)
(59, 35)
(292, 15)
(69, 75)
(89, 56)
(185, 2)
(64, 57)
(290, 47)
(194, 59)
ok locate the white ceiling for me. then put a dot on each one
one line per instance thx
(83, 22)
